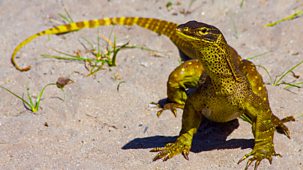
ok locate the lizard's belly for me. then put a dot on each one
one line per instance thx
(222, 111)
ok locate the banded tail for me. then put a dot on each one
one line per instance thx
(159, 26)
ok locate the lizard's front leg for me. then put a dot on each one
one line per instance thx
(256, 82)
(191, 120)
(185, 76)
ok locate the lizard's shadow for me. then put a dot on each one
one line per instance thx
(210, 136)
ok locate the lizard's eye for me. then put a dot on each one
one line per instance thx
(202, 31)
(186, 29)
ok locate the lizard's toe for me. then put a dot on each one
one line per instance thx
(172, 107)
(170, 150)
(258, 155)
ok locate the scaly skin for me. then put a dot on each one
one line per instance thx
(231, 88)
(186, 75)
(227, 86)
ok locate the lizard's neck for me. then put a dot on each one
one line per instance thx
(220, 64)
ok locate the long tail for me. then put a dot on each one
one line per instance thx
(155, 25)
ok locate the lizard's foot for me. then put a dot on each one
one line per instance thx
(281, 128)
(172, 149)
(258, 154)
(172, 107)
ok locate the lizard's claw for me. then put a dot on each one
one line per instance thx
(258, 156)
(281, 128)
(170, 150)
(172, 107)
(185, 154)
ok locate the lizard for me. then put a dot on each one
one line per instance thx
(227, 86)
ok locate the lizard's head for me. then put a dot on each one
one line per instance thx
(199, 33)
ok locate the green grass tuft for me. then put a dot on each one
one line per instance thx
(34, 105)
(94, 55)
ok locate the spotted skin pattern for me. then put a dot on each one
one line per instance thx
(186, 75)
(231, 88)
(227, 86)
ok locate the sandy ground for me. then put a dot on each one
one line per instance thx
(98, 127)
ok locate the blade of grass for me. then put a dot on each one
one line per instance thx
(40, 95)
(66, 58)
(267, 72)
(295, 15)
(115, 51)
(66, 17)
(258, 55)
(242, 3)
(295, 84)
(14, 94)
(30, 99)
(278, 80)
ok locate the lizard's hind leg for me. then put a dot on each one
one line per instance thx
(185, 76)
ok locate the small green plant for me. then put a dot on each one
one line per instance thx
(97, 57)
(35, 105)
(295, 15)
(279, 79)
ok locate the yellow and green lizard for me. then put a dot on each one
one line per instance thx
(227, 87)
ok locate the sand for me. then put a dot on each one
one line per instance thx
(92, 125)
